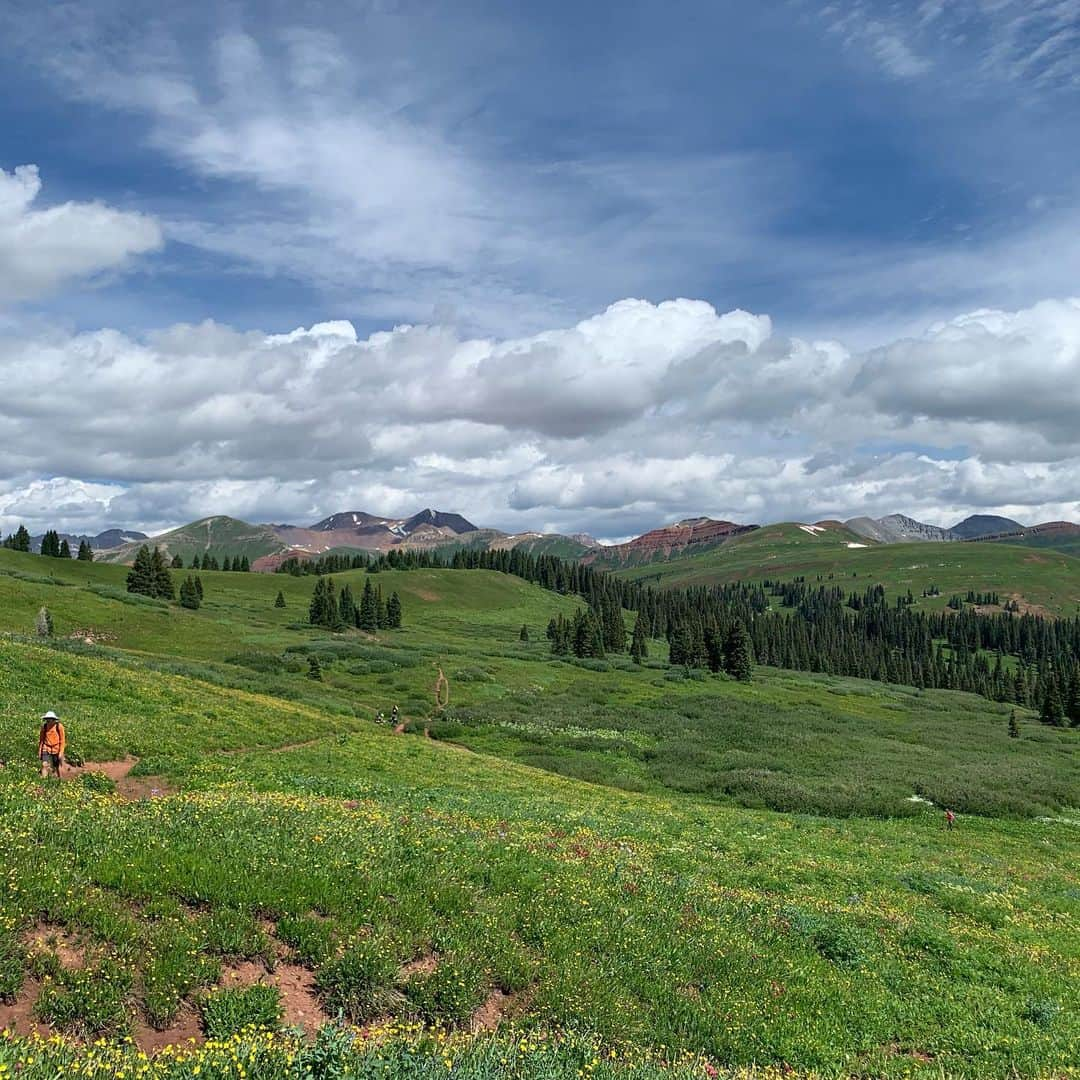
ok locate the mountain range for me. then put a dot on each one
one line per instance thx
(268, 545)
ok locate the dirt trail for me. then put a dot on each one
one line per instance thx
(128, 787)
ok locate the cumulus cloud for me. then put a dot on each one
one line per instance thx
(639, 414)
(41, 249)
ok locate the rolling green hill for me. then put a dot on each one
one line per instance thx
(222, 537)
(1045, 580)
(723, 875)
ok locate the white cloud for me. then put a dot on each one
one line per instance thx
(642, 413)
(42, 249)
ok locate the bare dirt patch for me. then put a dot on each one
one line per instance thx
(45, 937)
(19, 1015)
(300, 1004)
(1026, 608)
(186, 1028)
(132, 788)
(426, 594)
(423, 965)
(489, 1015)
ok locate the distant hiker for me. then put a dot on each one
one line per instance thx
(51, 742)
(950, 819)
(394, 716)
(380, 717)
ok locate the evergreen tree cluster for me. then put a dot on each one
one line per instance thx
(19, 540)
(149, 575)
(207, 561)
(86, 552)
(53, 547)
(336, 612)
(191, 592)
(324, 564)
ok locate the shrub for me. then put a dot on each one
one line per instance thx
(96, 781)
(228, 1012)
(12, 961)
(360, 982)
(1040, 1011)
(174, 968)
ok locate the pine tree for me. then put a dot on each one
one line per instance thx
(639, 644)
(368, 615)
(163, 582)
(393, 612)
(50, 544)
(140, 577)
(44, 624)
(177, 563)
(227, 565)
(195, 563)
(314, 668)
(65, 549)
(198, 587)
(347, 607)
(86, 552)
(21, 540)
(1014, 727)
(1072, 704)
(245, 565)
(523, 636)
(189, 594)
(1052, 709)
(280, 601)
(738, 655)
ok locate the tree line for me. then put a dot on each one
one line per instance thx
(52, 545)
(335, 611)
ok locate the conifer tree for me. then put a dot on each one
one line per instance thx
(393, 612)
(86, 552)
(140, 578)
(1014, 727)
(639, 644)
(1072, 704)
(177, 563)
(368, 614)
(50, 544)
(314, 668)
(163, 582)
(279, 602)
(189, 594)
(347, 607)
(738, 654)
(21, 541)
(1052, 709)
(199, 587)
(65, 549)
(245, 565)
(196, 564)
(523, 635)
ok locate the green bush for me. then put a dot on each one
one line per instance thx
(12, 963)
(96, 781)
(87, 1003)
(230, 1011)
(235, 935)
(450, 994)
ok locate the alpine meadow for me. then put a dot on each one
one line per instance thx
(540, 543)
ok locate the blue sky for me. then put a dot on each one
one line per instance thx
(856, 171)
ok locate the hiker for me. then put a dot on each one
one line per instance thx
(51, 742)
(380, 717)
(394, 716)
(950, 818)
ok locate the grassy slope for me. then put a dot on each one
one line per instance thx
(787, 741)
(856, 946)
(224, 537)
(1048, 579)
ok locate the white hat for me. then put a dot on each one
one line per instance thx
(50, 715)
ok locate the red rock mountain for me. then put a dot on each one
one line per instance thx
(682, 538)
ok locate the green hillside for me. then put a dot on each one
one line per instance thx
(1046, 580)
(1069, 544)
(222, 537)
(643, 914)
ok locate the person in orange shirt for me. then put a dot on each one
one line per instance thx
(51, 743)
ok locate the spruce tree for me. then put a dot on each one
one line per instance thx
(1072, 703)
(738, 655)
(198, 587)
(245, 565)
(639, 644)
(21, 541)
(347, 607)
(189, 594)
(65, 549)
(195, 562)
(1052, 709)
(177, 563)
(314, 668)
(368, 615)
(393, 612)
(140, 577)
(163, 582)
(86, 552)
(279, 602)
(523, 635)
(50, 544)
(1014, 727)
